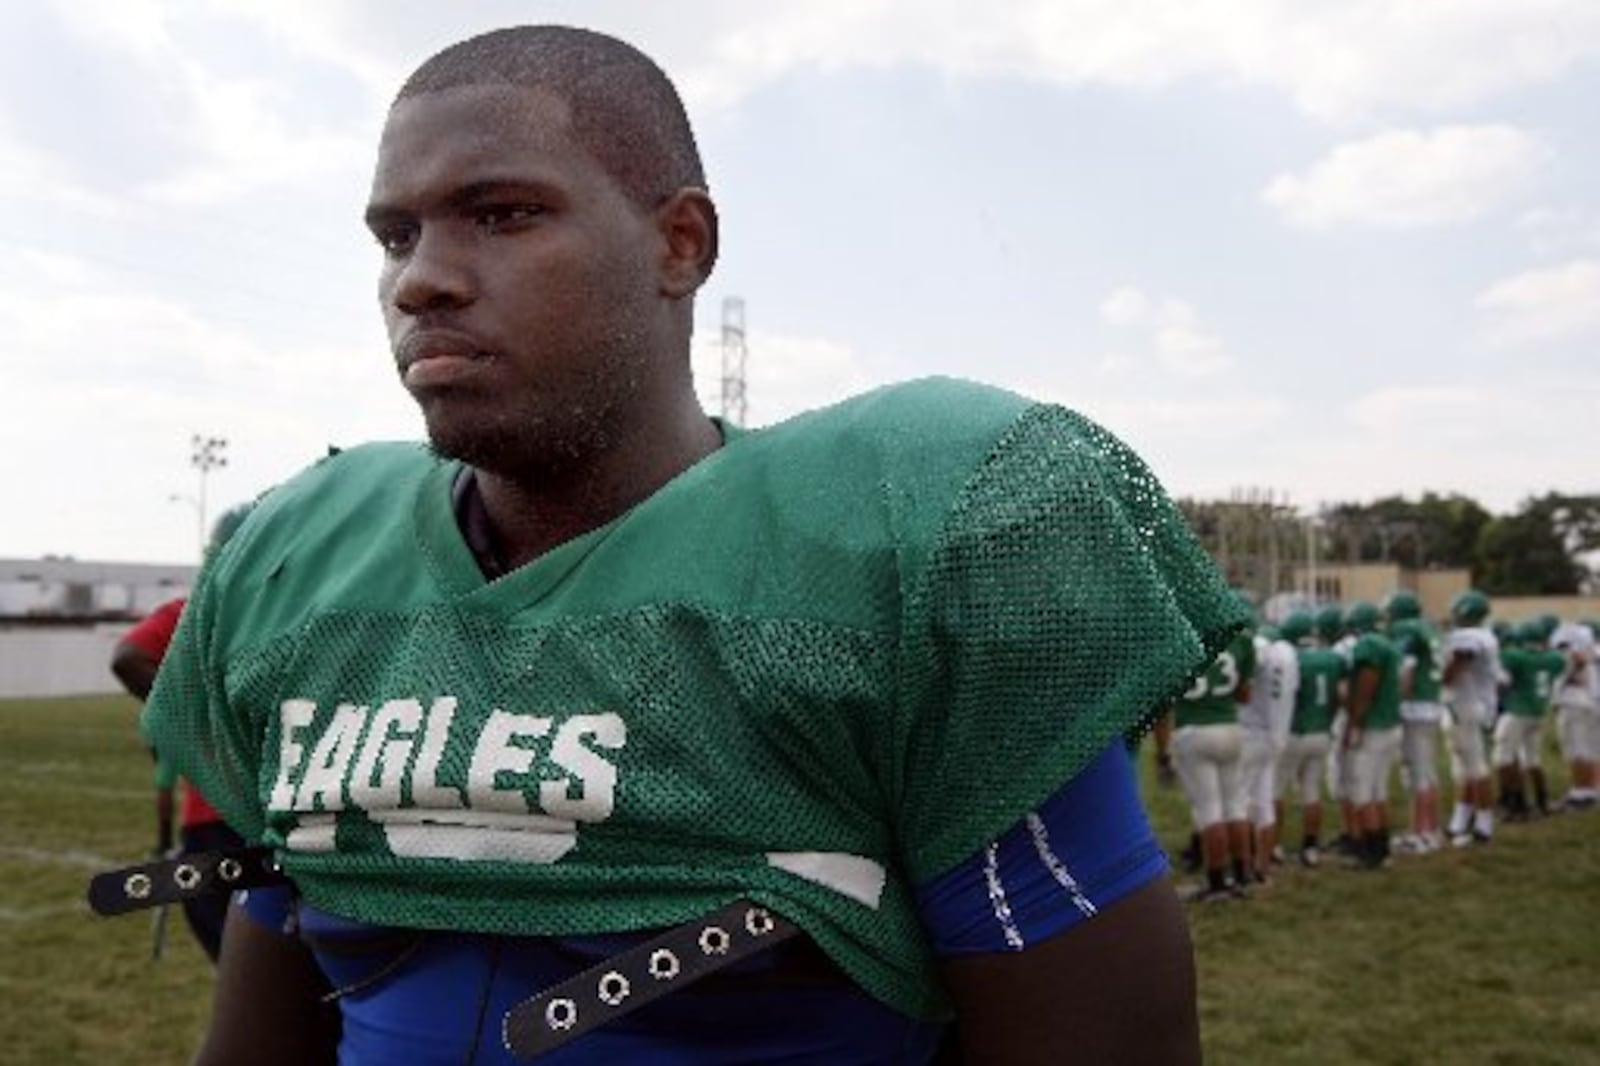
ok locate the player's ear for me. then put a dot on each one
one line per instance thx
(687, 221)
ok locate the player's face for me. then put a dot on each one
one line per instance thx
(518, 284)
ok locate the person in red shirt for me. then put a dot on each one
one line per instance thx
(135, 661)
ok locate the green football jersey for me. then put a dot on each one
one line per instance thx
(816, 669)
(1418, 641)
(1533, 673)
(1213, 699)
(1316, 701)
(1375, 651)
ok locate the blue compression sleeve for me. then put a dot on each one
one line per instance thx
(1086, 847)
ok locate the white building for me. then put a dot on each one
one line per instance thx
(61, 618)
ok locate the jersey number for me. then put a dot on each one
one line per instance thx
(1221, 679)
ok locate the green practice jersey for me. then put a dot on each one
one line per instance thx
(1316, 701)
(818, 668)
(1533, 673)
(1213, 699)
(1419, 644)
(1373, 651)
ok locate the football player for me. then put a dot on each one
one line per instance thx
(1577, 710)
(1320, 676)
(1207, 750)
(595, 680)
(1421, 714)
(1471, 692)
(1332, 632)
(1264, 731)
(1532, 668)
(1372, 730)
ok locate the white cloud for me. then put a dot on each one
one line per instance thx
(1180, 344)
(1346, 61)
(1402, 179)
(1461, 413)
(1547, 304)
(1560, 230)
(107, 385)
(30, 176)
(1453, 439)
(1336, 61)
(1127, 306)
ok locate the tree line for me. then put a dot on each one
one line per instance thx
(1546, 547)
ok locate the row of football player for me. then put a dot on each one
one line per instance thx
(1338, 698)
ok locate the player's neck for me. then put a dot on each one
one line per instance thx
(531, 516)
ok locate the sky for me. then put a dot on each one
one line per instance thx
(1330, 251)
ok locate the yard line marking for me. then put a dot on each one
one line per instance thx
(39, 914)
(84, 860)
(50, 768)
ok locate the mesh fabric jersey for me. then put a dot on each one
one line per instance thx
(1533, 679)
(1213, 699)
(821, 666)
(1417, 639)
(1317, 698)
(1374, 651)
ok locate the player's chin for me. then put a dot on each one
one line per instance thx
(492, 440)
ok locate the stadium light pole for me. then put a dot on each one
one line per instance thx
(206, 454)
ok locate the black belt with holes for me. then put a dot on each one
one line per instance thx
(561, 1013)
(154, 884)
(633, 978)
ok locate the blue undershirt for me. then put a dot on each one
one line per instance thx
(438, 997)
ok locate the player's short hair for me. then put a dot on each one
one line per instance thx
(625, 111)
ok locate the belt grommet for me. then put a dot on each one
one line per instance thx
(560, 1014)
(758, 921)
(714, 940)
(229, 869)
(614, 988)
(186, 877)
(137, 886)
(663, 964)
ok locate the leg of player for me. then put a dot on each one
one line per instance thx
(1234, 811)
(1533, 765)
(1424, 762)
(1313, 761)
(1196, 767)
(1507, 740)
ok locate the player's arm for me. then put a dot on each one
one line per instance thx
(1117, 989)
(1363, 690)
(1408, 676)
(135, 667)
(1089, 959)
(1162, 732)
(267, 1007)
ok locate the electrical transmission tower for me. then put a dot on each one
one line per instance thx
(734, 352)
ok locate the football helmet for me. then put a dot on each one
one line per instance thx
(1469, 608)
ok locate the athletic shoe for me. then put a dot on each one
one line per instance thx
(1278, 856)
(1311, 857)
(1203, 893)
(1463, 840)
(1409, 844)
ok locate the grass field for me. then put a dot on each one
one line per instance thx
(1485, 956)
